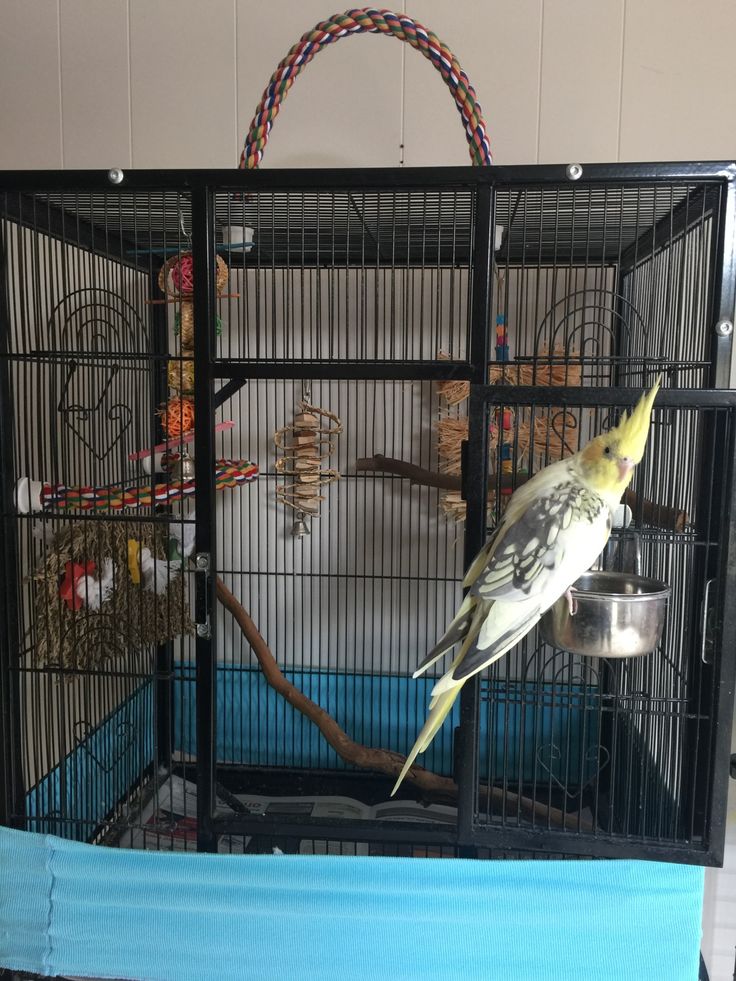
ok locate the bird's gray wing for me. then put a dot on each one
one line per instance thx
(534, 544)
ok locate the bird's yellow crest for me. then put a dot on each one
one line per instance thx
(632, 430)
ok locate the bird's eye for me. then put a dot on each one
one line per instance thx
(607, 451)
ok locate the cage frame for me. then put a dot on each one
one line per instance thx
(201, 187)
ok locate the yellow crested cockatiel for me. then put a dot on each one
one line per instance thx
(553, 529)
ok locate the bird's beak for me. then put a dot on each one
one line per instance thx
(625, 466)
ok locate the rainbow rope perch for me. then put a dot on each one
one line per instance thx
(39, 496)
(371, 21)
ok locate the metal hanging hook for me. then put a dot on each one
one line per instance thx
(186, 235)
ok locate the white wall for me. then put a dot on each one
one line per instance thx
(161, 83)
(719, 912)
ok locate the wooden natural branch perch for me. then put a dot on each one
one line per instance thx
(381, 760)
(417, 475)
(375, 759)
(670, 519)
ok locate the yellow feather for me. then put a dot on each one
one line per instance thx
(440, 708)
(608, 461)
(633, 429)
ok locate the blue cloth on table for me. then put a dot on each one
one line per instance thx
(71, 908)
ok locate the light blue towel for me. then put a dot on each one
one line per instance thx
(70, 908)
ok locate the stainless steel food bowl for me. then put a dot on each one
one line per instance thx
(617, 614)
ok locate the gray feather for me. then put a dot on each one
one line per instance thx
(455, 632)
(527, 552)
(476, 658)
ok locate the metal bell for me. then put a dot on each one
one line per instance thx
(300, 528)
(184, 469)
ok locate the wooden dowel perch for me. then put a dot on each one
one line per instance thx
(658, 515)
(381, 760)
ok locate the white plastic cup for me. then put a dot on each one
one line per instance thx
(237, 235)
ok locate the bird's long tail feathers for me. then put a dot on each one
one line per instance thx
(498, 634)
(440, 709)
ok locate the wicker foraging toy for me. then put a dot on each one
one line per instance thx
(176, 280)
(91, 604)
(184, 324)
(177, 418)
(176, 276)
(180, 374)
(305, 444)
(520, 440)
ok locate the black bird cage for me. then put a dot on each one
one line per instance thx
(254, 426)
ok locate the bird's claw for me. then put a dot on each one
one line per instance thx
(572, 603)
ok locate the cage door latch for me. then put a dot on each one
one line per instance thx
(202, 595)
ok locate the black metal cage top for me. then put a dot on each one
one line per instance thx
(394, 217)
(143, 718)
(405, 227)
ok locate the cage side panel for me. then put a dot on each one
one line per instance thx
(85, 381)
(608, 281)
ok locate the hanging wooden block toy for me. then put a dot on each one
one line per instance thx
(305, 445)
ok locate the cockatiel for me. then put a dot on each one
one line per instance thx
(554, 528)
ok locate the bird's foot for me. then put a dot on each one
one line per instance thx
(572, 603)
